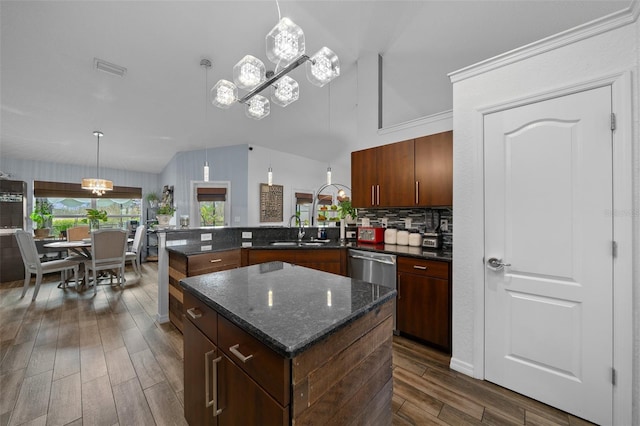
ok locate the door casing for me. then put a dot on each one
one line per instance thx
(623, 219)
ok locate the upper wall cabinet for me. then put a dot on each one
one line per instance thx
(413, 173)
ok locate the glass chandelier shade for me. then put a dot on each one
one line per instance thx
(224, 94)
(323, 67)
(285, 47)
(249, 72)
(258, 107)
(97, 185)
(285, 91)
(206, 171)
(329, 175)
(270, 176)
(285, 42)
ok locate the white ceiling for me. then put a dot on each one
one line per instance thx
(52, 98)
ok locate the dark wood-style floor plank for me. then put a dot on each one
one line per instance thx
(74, 358)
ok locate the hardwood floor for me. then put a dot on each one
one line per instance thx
(75, 358)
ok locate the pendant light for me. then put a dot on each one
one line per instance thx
(329, 175)
(97, 185)
(206, 65)
(270, 176)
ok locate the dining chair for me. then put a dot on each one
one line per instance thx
(136, 247)
(33, 265)
(108, 249)
(78, 233)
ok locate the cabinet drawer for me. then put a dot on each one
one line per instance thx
(212, 262)
(268, 369)
(423, 267)
(206, 319)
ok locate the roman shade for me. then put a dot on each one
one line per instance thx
(43, 189)
(304, 198)
(211, 194)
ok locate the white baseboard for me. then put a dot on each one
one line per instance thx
(162, 318)
(461, 367)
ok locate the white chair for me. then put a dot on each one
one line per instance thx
(134, 254)
(33, 265)
(108, 248)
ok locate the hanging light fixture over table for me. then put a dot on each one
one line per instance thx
(97, 185)
(285, 45)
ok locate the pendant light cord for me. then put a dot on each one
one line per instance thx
(98, 158)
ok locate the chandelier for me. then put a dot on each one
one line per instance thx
(97, 185)
(285, 47)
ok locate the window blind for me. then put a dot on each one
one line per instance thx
(211, 194)
(74, 190)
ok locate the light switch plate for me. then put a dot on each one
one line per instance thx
(444, 225)
(247, 235)
(206, 237)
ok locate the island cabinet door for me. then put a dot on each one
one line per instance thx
(244, 402)
(202, 365)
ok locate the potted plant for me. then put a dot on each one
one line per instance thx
(347, 211)
(94, 216)
(164, 214)
(41, 216)
(152, 198)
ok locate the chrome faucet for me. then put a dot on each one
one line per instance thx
(301, 232)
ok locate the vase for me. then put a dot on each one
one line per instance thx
(94, 224)
(41, 233)
(164, 219)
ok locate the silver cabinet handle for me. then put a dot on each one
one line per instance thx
(214, 401)
(377, 195)
(496, 264)
(193, 314)
(417, 192)
(422, 268)
(373, 197)
(234, 350)
(372, 259)
(215, 260)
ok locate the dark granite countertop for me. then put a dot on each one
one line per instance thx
(289, 308)
(418, 252)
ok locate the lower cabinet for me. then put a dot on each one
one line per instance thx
(182, 266)
(230, 384)
(424, 301)
(326, 260)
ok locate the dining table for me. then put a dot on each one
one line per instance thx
(79, 247)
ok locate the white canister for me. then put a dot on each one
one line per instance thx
(390, 235)
(402, 238)
(415, 239)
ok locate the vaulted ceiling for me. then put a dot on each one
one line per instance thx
(52, 97)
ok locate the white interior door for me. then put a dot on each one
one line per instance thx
(548, 198)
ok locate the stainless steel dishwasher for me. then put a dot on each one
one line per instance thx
(377, 268)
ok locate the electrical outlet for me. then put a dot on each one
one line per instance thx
(205, 237)
(444, 225)
(247, 235)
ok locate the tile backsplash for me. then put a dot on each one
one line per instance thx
(425, 219)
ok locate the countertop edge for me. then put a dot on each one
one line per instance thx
(276, 346)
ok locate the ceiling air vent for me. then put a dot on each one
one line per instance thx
(109, 68)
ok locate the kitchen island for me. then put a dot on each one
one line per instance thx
(276, 343)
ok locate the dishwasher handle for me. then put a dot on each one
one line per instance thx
(373, 259)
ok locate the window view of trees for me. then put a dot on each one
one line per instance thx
(211, 213)
(69, 212)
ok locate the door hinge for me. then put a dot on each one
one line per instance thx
(614, 249)
(613, 121)
(613, 376)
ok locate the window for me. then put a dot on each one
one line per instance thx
(70, 203)
(304, 200)
(210, 204)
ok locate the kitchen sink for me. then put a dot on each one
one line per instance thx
(297, 244)
(283, 243)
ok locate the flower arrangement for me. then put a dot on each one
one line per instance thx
(166, 209)
(42, 213)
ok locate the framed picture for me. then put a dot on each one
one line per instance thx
(271, 203)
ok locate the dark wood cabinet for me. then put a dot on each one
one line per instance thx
(326, 260)
(412, 173)
(199, 354)
(434, 169)
(424, 301)
(182, 266)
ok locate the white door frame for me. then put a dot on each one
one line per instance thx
(623, 234)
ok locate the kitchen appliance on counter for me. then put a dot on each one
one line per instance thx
(370, 235)
(377, 268)
(432, 240)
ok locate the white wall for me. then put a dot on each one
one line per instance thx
(600, 55)
(293, 172)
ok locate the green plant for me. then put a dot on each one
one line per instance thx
(346, 209)
(95, 214)
(166, 209)
(42, 213)
(152, 196)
